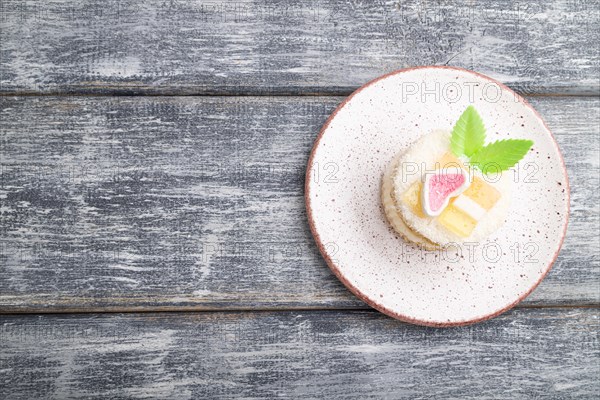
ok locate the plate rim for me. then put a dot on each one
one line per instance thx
(356, 291)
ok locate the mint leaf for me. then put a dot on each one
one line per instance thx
(468, 133)
(500, 155)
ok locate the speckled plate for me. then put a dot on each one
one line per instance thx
(457, 285)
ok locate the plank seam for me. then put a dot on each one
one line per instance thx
(191, 310)
(249, 94)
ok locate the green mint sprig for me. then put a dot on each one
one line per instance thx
(468, 134)
(468, 138)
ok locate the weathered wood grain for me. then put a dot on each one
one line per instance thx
(526, 354)
(251, 47)
(197, 203)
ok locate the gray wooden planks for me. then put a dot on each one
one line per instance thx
(196, 203)
(251, 47)
(111, 204)
(525, 354)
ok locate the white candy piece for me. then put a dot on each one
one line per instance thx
(469, 207)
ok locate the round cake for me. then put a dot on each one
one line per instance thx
(469, 205)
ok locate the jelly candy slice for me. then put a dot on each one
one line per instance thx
(440, 186)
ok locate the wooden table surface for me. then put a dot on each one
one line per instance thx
(153, 234)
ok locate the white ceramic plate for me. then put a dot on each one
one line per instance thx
(436, 288)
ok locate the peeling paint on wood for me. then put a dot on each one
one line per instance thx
(160, 203)
(130, 203)
(525, 354)
(286, 47)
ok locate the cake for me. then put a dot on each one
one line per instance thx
(448, 187)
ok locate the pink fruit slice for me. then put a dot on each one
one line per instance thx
(440, 186)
